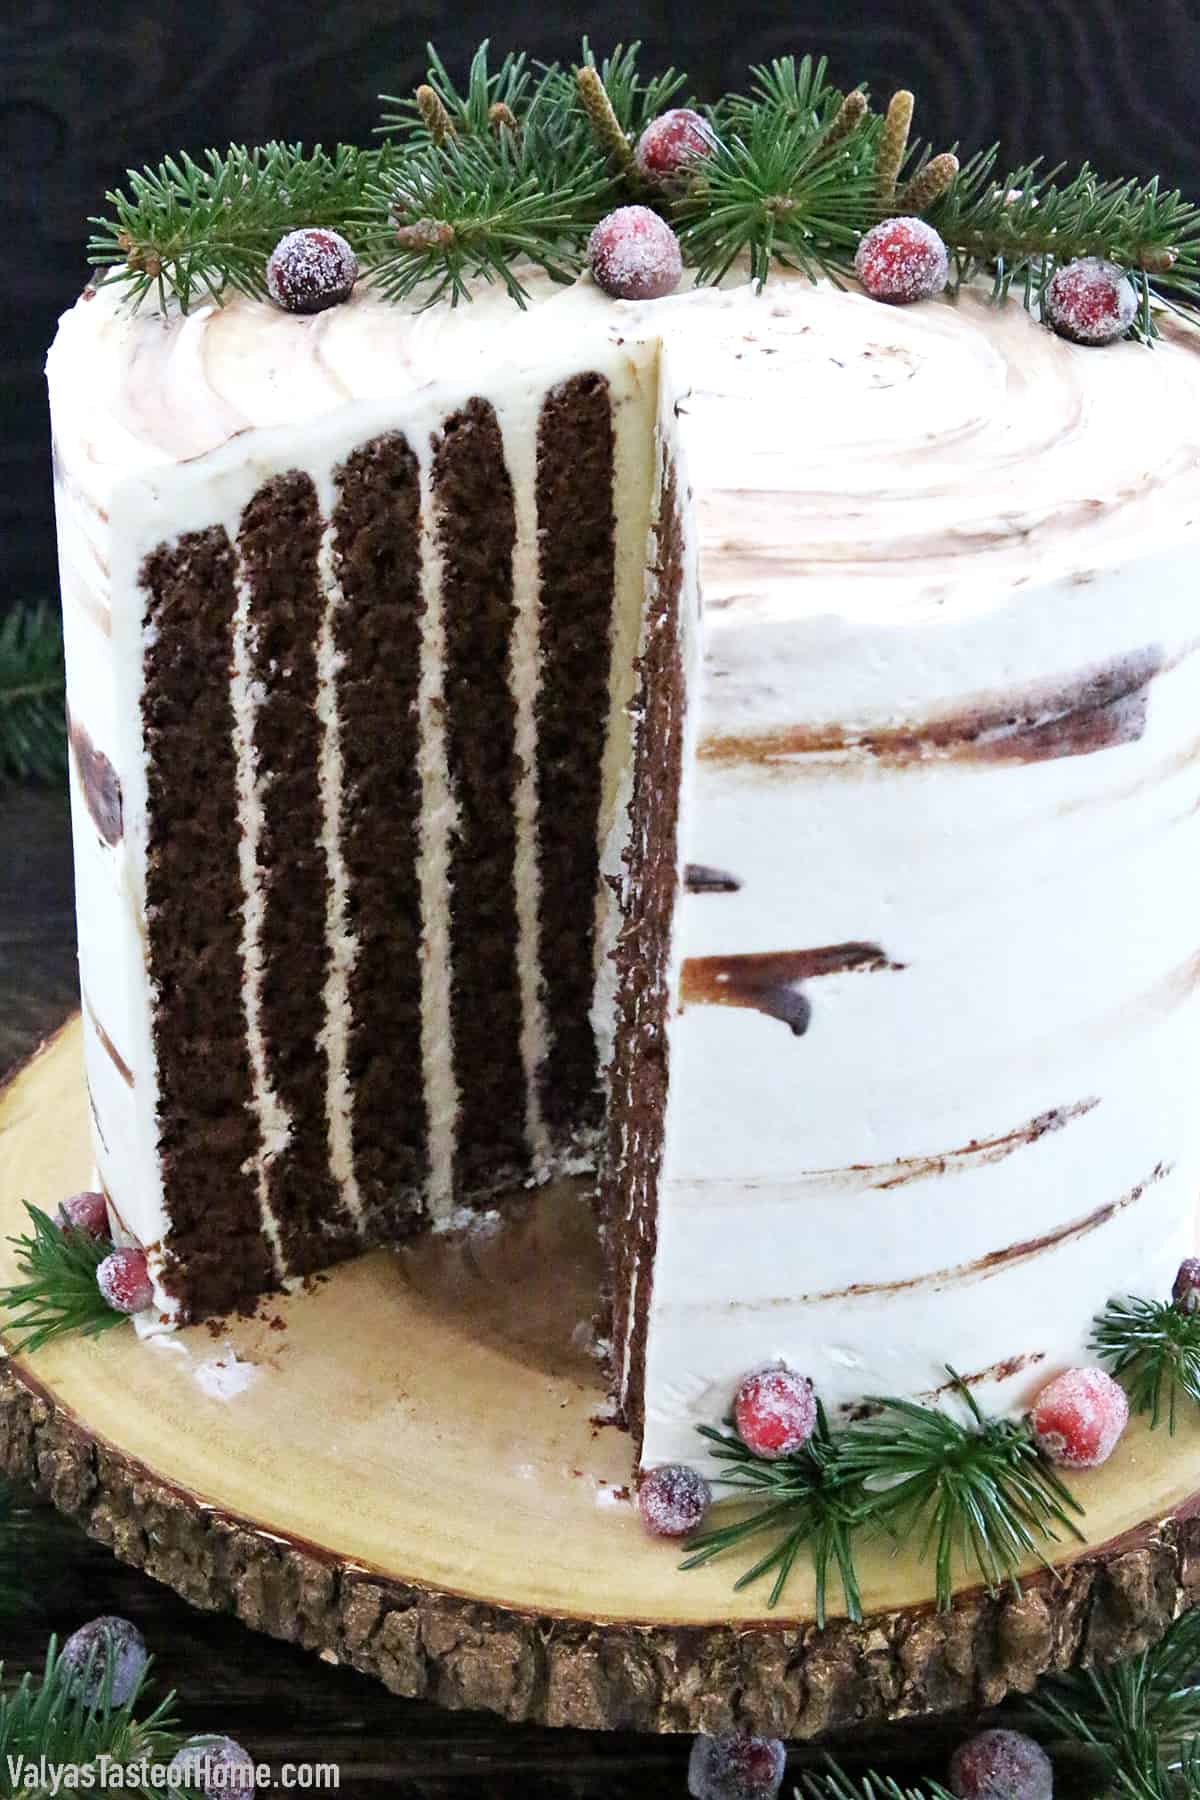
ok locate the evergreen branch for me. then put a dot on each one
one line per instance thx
(196, 229)
(808, 1501)
(1153, 1348)
(1139, 1717)
(479, 207)
(635, 99)
(59, 1294)
(798, 173)
(976, 1491)
(51, 1718)
(453, 111)
(778, 193)
(833, 1783)
(790, 91)
(1023, 225)
(32, 709)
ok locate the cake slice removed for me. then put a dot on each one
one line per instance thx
(380, 691)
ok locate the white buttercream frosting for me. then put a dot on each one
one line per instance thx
(901, 515)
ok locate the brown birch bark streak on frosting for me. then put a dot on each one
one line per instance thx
(698, 878)
(979, 1152)
(477, 532)
(279, 543)
(216, 1253)
(770, 981)
(575, 530)
(1095, 710)
(98, 782)
(980, 1267)
(110, 1049)
(639, 1070)
(377, 634)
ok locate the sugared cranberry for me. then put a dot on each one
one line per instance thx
(671, 146)
(775, 1411)
(1001, 1765)
(673, 1500)
(311, 269)
(900, 260)
(738, 1767)
(1186, 1292)
(124, 1280)
(634, 255)
(85, 1212)
(1090, 301)
(106, 1655)
(215, 1765)
(1078, 1417)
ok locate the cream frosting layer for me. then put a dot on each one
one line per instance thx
(946, 729)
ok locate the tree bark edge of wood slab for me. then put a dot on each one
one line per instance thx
(796, 1682)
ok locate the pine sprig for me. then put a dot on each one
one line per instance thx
(1153, 1349)
(197, 228)
(59, 1294)
(49, 1717)
(807, 1501)
(467, 109)
(1140, 1717)
(1023, 225)
(476, 208)
(32, 718)
(775, 192)
(975, 1490)
(833, 1783)
(798, 174)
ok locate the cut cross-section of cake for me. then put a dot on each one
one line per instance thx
(430, 843)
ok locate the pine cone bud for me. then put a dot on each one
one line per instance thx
(930, 184)
(892, 144)
(604, 121)
(1157, 260)
(425, 234)
(848, 115)
(437, 120)
(503, 118)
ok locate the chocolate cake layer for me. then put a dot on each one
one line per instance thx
(477, 531)
(377, 629)
(208, 1136)
(279, 544)
(576, 566)
(639, 1080)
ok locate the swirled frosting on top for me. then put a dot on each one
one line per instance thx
(893, 458)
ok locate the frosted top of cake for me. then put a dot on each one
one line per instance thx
(845, 455)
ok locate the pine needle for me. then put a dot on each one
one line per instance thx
(1140, 1717)
(59, 1294)
(32, 708)
(833, 1783)
(50, 1718)
(975, 1493)
(808, 1501)
(1153, 1349)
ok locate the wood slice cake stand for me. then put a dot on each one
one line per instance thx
(401, 1470)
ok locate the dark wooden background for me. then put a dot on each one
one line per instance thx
(88, 87)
